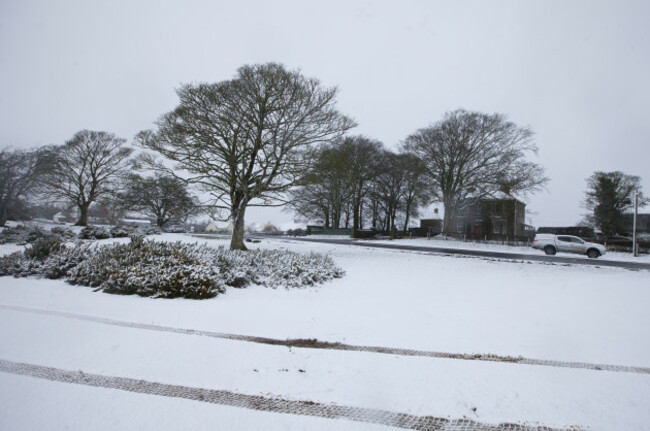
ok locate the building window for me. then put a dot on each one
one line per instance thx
(498, 227)
(460, 227)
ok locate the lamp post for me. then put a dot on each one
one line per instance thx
(636, 204)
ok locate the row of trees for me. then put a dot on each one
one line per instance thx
(271, 136)
(463, 157)
(91, 168)
(355, 182)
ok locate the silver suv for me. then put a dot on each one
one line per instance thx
(551, 244)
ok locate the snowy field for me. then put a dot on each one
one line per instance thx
(570, 318)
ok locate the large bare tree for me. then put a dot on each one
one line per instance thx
(244, 141)
(85, 168)
(471, 155)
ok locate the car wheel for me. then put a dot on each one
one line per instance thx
(593, 253)
(550, 250)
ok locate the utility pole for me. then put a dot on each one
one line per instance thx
(636, 204)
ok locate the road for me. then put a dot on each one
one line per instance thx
(480, 253)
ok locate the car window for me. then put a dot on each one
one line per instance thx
(577, 240)
(564, 238)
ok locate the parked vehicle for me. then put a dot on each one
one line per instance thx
(176, 229)
(551, 244)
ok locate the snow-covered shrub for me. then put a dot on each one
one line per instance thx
(21, 234)
(271, 229)
(94, 232)
(149, 230)
(58, 264)
(168, 270)
(297, 232)
(273, 268)
(55, 265)
(289, 269)
(64, 233)
(130, 231)
(10, 264)
(122, 231)
(149, 268)
(43, 247)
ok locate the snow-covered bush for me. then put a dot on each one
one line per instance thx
(94, 232)
(64, 233)
(10, 264)
(149, 268)
(21, 234)
(149, 230)
(27, 234)
(130, 231)
(43, 247)
(122, 231)
(58, 264)
(168, 270)
(274, 268)
(55, 265)
(271, 229)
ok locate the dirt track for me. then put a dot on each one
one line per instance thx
(319, 344)
(255, 402)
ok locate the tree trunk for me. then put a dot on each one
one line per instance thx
(360, 216)
(446, 221)
(237, 239)
(83, 215)
(356, 208)
(327, 218)
(408, 217)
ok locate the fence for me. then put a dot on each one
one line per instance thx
(624, 245)
(518, 240)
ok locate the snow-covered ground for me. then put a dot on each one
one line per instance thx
(393, 299)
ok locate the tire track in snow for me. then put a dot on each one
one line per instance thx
(261, 403)
(316, 344)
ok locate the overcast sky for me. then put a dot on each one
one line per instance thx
(576, 72)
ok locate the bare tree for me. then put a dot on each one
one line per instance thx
(243, 141)
(108, 210)
(363, 158)
(471, 155)
(83, 170)
(323, 190)
(20, 171)
(162, 197)
(339, 180)
(389, 188)
(417, 186)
